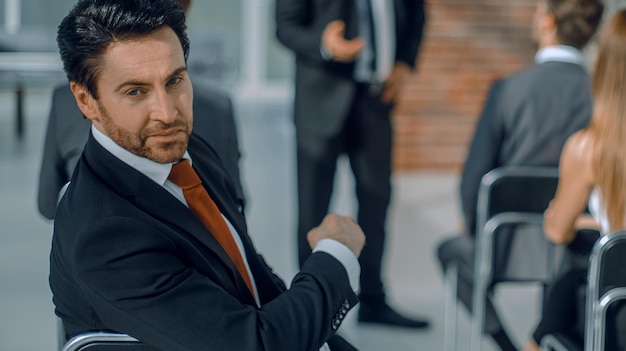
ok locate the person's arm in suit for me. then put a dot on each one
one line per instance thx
(295, 30)
(482, 156)
(314, 31)
(410, 38)
(411, 18)
(52, 175)
(232, 153)
(136, 281)
(65, 138)
(214, 121)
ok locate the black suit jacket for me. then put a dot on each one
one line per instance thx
(68, 130)
(525, 122)
(299, 26)
(127, 256)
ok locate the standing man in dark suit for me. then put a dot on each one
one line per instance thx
(133, 250)
(68, 130)
(526, 120)
(352, 58)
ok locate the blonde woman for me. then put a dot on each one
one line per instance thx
(592, 173)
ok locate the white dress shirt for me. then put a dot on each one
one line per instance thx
(560, 53)
(383, 35)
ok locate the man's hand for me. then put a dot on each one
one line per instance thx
(336, 46)
(340, 228)
(394, 83)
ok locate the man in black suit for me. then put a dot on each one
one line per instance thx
(128, 254)
(352, 58)
(526, 120)
(68, 130)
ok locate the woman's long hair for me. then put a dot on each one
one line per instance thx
(608, 125)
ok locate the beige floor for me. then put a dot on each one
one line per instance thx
(424, 211)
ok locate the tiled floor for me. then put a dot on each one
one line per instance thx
(424, 211)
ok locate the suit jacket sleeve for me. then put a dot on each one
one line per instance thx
(232, 152)
(214, 121)
(482, 156)
(136, 280)
(409, 39)
(52, 174)
(297, 30)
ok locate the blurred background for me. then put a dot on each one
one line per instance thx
(467, 45)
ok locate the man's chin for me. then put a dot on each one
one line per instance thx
(167, 153)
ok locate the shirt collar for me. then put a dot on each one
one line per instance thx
(158, 172)
(560, 53)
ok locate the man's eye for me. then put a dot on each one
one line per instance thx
(174, 80)
(133, 92)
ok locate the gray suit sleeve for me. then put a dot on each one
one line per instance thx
(52, 175)
(296, 30)
(215, 123)
(482, 156)
(232, 151)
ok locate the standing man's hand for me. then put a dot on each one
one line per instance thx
(336, 46)
(340, 228)
(394, 83)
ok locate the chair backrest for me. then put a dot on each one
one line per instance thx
(515, 189)
(607, 285)
(520, 190)
(105, 341)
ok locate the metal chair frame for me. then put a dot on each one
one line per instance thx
(487, 226)
(596, 305)
(484, 267)
(92, 339)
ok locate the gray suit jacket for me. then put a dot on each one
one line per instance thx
(68, 130)
(525, 122)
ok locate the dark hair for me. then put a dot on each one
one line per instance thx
(185, 4)
(576, 20)
(92, 25)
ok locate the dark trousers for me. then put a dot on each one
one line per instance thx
(560, 311)
(564, 305)
(366, 138)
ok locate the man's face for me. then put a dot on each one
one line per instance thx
(145, 96)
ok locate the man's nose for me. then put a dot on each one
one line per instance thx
(164, 108)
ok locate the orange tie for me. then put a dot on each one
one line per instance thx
(201, 204)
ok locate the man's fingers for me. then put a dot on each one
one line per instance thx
(337, 46)
(348, 50)
(335, 29)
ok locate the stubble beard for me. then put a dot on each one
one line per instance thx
(161, 152)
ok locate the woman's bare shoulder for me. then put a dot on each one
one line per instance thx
(578, 153)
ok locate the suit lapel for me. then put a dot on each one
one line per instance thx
(219, 185)
(158, 202)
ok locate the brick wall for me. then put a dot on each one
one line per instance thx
(467, 45)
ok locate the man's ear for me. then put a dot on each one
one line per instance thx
(85, 101)
(549, 23)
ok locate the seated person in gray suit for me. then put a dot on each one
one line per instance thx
(526, 120)
(68, 130)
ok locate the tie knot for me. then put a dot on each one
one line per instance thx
(183, 175)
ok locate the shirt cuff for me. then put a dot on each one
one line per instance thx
(345, 256)
(325, 56)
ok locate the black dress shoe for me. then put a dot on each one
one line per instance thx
(385, 315)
